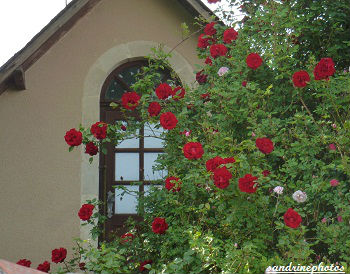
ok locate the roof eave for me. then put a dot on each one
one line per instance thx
(13, 71)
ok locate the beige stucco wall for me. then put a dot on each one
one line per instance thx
(41, 187)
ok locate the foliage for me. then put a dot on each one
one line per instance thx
(317, 28)
(214, 230)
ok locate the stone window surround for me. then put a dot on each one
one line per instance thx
(97, 74)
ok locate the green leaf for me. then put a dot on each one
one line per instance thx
(113, 105)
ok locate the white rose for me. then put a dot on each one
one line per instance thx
(299, 196)
(278, 190)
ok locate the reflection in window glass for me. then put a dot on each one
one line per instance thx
(149, 162)
(126, 204)
(128, 75)
(127, 166)
(114, 91)
(153, 142)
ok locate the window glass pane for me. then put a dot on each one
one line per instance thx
(160, 76)
(152, 142)
(127, 166)
(114, 91)
(149, 162)
(126, 204)
(128, 75)
(130, 143)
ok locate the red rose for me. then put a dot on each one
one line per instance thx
(209, 29)
(266, 173)
(230, 35)
(214, 163)
(163, 91)
(208, 61)
(205, 96)
(203, 42)
(154, 109)
(229, 160)
(244, 83)
(189, 106)
(172, 186)
(193, 150)
(44, 267)
(265, 145)
(178, 95)
(82, 266)
(85, 211)
(99, 130)
(201, 78)
(168, 120)
(123, 128)
(91, 149)
(324, 69)
(159, 225)
(301, 78)
(127, 237)
(142, 265)
(218, 50)
(130, 100)
(254, 60)
(222, 177)
(332, 147)
(213, 1)
(292, 218)
(73, 137)
(246, 184)
(24, 262)
(58, 255)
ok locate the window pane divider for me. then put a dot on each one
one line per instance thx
(121, 82)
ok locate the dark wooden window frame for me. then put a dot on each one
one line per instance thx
(107, 162)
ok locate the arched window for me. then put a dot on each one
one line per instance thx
(132, 160)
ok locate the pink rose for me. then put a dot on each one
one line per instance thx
(332, 147)
(334, 182)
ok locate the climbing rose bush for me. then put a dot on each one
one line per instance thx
(256, 164)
